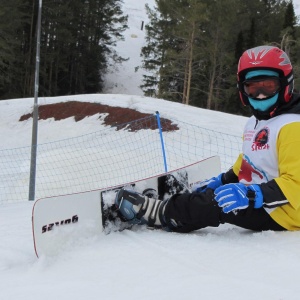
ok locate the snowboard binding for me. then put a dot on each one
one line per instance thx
(131, 206)
(140, 209)
(120, 206)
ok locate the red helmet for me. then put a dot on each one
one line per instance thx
(267, 58)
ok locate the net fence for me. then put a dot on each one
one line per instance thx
(113, 155)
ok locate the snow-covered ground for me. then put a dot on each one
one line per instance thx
(213, 263)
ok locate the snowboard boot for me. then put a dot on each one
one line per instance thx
(140, 209)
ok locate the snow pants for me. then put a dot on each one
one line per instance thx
(188, 212)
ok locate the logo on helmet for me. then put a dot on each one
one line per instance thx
(255, 62)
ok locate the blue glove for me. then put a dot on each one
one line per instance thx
(211, 183)
(236, 196)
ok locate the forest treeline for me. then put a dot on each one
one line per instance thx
(193, 47)
(77, 38)
(191, 52)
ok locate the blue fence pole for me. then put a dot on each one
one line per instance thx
(161, 141)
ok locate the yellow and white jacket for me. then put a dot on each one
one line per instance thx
(271, 158)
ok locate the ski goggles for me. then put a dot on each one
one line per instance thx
(266, 86)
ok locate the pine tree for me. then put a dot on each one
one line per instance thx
(239, 46)
(171, 37)
(76, 40)
(212, 79)
(77, 44)
(251, 41)
(289, 31)
(152, 53)
(13, 19)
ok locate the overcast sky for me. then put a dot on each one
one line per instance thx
(297, 7)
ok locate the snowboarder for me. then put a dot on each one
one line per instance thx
(262, 189)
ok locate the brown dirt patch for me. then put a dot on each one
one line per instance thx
(116, 116)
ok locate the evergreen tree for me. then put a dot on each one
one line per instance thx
(219, 56)
(290, 18)
(239, 46)
(251, 41)
(174, 37)
(153, 52)
(76, 40)
(288, 30)
(194, 46)
(14, 19)
(77, 44)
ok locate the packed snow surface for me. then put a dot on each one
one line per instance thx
(213, 263)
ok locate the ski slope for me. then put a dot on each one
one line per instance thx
(214, 263)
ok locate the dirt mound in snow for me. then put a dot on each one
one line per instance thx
(115, 116)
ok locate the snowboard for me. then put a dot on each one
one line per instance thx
(62, 222)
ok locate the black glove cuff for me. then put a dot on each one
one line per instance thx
(251, 196)
(229, 177)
